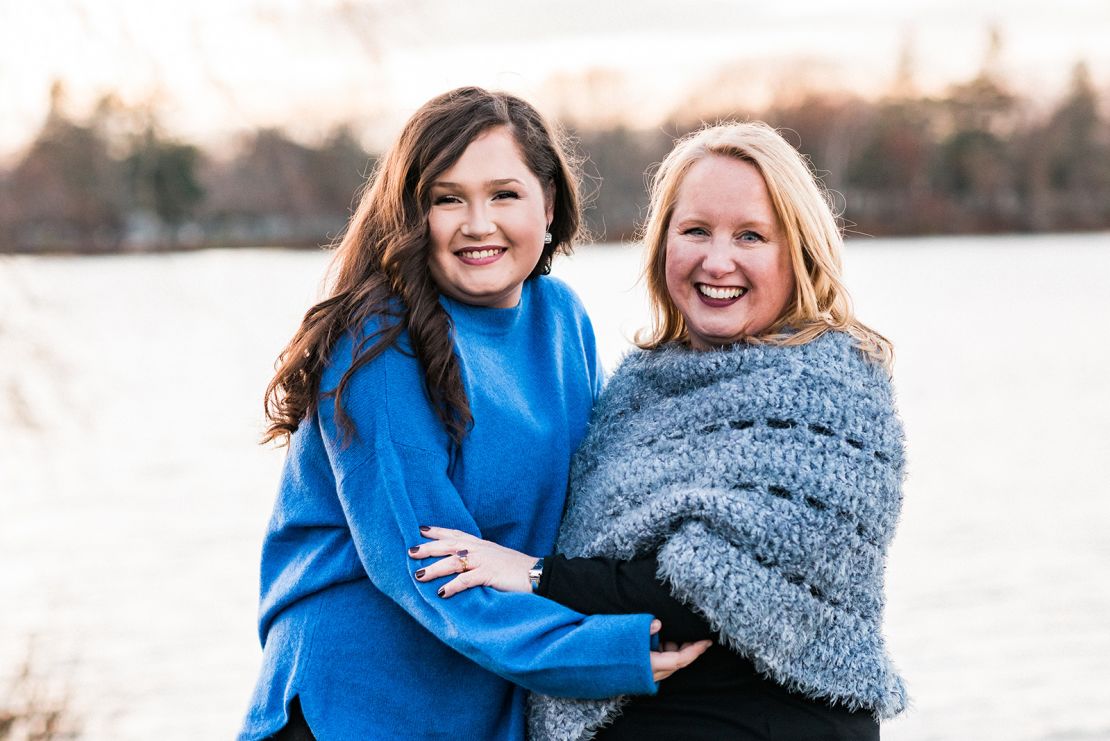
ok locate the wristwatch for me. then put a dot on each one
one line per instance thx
(535, 574)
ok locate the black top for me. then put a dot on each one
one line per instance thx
(719, 696)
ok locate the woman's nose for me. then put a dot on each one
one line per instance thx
(478, 223)
(718, 259)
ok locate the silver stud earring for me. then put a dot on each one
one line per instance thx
(547, 237)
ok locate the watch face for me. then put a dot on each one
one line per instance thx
(535, 573)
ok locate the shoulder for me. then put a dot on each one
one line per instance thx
(355, 341)
(635, 361)
(631, 381)
(547, 290)
(838, 345)
(384, 398)
(838, 353)
(671, 367)
(556, 308)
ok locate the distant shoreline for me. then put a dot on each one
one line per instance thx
(305, 246)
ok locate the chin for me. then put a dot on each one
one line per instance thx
(721, 338)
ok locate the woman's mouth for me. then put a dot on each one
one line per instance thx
(481, 255)
(718, 296)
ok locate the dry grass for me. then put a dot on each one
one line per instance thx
(30, 710)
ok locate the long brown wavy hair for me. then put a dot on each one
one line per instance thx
(380, 267)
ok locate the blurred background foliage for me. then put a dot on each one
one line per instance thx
(980, 158)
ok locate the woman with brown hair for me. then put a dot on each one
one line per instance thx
(446, 379)
(741, 477)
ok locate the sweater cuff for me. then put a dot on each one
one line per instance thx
(650, 686)
(638, 624)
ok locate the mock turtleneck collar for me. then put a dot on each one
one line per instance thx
(486, 320)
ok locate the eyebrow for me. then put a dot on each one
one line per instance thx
(500, 181)
(697, 219)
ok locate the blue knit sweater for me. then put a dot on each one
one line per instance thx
(371, 652)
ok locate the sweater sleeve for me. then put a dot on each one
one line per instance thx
(393, 477)
(610, 586)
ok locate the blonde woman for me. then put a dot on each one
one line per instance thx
(741, 477)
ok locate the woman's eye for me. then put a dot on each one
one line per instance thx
(440, 200)
(694, 231)
(502, 194)
(750, 236)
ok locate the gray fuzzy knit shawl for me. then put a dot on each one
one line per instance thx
(768, 480)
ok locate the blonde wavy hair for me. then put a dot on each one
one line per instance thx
(820, 302)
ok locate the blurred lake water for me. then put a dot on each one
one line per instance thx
(133, 495)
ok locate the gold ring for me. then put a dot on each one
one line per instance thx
(462, 556)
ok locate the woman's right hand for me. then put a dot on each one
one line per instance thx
(673, 656)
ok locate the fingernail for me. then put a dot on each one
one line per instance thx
(414, 549)
(462, 553)
(419, 573)
(424, 528)
(440, 592)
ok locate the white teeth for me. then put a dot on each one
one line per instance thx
(721, 293)
(480, 254)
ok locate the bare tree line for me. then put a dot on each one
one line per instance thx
(979, 159)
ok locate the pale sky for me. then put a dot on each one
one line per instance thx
(215, 67)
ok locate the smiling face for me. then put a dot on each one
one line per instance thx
(728, 267)
(486, 223)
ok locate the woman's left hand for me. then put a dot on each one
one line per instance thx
(478, 563)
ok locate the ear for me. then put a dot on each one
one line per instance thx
(549, 203)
